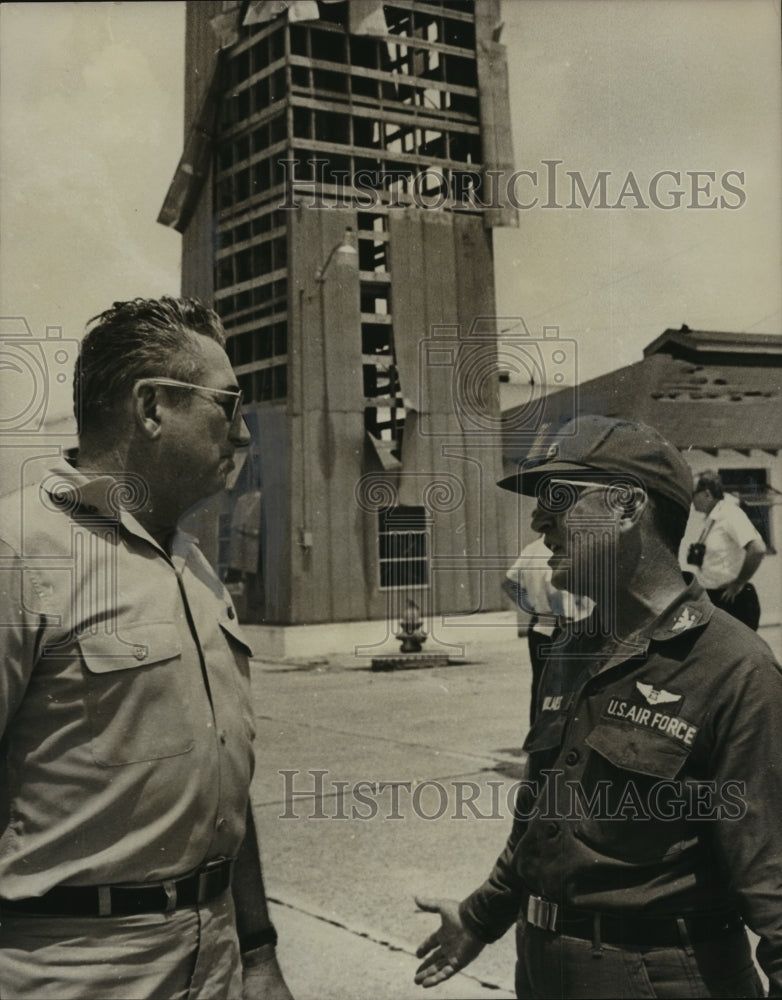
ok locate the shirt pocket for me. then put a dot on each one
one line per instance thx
(137, 694)
(634, 804)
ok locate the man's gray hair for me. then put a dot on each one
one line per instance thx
(142, 338)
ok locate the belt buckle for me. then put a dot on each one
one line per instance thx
(169, 890)
(542, 913)
(206, 875)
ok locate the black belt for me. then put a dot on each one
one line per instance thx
(125, 900)
(654, 932)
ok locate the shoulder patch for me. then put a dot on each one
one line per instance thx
(688, 617)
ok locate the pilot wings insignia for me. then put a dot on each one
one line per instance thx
(657, 696)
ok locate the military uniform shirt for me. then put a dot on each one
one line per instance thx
(655, 777)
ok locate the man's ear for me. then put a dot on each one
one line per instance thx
(146, 409)
(633, 508)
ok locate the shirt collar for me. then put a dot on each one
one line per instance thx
(72, 489)
(690, 609)
(105, 496)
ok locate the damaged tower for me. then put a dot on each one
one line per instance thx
(341, 175)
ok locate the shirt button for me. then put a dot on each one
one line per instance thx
(222, 824)
(573, 757)
(140, 652)
(223, 736)
(552, 830)
(231, 612)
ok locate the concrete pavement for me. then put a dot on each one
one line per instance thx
(373, 787)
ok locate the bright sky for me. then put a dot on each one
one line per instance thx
(91, 106)
(620, 86)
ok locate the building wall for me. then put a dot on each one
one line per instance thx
(446, 338)
(326, 412)
(197, 249)
(201, 60)
(273, 446)
(450, 458)
(201, 53)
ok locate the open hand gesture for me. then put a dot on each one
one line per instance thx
(450, 948)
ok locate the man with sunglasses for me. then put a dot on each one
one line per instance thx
(723, 550)
(129, 865)
(646, 833)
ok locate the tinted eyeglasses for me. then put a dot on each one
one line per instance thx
(229, 400)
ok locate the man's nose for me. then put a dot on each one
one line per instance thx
(541, 520)
(239, 434)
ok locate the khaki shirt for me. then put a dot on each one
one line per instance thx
(124, 695)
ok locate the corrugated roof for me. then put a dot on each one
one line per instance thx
(685, 342)
(715, 397)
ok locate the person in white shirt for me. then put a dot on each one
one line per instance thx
(528, 583)
(723, 549)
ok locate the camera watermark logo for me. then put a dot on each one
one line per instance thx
(466, 366)
(35, 371)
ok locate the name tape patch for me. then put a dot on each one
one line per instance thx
(649, 718)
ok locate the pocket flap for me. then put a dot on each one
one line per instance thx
(234, 630)
(139, 646)
(546, 732)
(643, 751)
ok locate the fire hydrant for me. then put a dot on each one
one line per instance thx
(411, 634)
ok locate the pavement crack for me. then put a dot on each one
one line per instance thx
(412, 744)
(374, 939)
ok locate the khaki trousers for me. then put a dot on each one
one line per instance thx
(191, 954)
